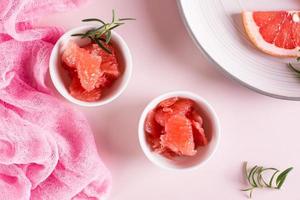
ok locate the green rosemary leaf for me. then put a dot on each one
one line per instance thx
(272, 178)
(93, 19)
(248, 189)
(102, 39)
(78, 34)
(282, 176)
(250, 175)
(259, 177)
(254, 177)
(89, 33)
(115, 26)
(113, 16)
(125, 19)
(245, 169)
(250, 194)
(108, 37)
(102, 46)
(262, 178)
(119, 23)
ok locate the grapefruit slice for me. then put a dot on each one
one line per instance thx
(274, 32)
(179, 136)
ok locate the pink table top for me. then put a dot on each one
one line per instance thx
(255, 128)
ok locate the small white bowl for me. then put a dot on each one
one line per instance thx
(61, 79)
(211, 126)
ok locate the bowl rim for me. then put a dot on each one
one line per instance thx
(201, 102)
(128, 68)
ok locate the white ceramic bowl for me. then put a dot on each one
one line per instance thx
(211, 126)
(61, 79)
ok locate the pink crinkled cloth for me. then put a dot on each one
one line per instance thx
(47, 150)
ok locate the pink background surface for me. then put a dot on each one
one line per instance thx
(255, 128)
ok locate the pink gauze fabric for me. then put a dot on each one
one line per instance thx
(47, 150)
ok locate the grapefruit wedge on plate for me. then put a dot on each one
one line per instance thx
(274, 32)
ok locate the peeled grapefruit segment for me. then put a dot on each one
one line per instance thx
(183, 106)
(151, 126)
(162, 116)
(170, 107)
(168, 102)
(109, 65)
(274, 32)
(153, 131)
(70, 54)
(86, 64)
(78, 92)
(88, 70)
(104, 82)
(179, 136)
(199, 135)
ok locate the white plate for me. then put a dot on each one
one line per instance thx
(216, 27)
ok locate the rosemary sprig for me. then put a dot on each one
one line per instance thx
(256, 178)
(102, 34)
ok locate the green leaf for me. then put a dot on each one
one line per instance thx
(272, 178)
(248, 189)
(259, 177)
(115, 26)
(250, 195)
(250, 176)
(102, 46)
(282, 176)
(93, 20)
(262, 178)
(108, 37)
(113, 16)
(125, 19)
(78, 34)
(245, 169)
(89, 32)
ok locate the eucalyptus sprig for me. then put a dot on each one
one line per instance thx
(256, 178)
(102, 34)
